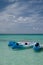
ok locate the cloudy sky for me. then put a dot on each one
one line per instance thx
(21, 16)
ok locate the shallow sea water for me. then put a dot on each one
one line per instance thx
(9, 56)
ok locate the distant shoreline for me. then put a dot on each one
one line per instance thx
(21, 34)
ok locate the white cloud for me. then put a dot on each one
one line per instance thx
(22, 17)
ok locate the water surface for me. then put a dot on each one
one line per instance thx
(9, 56)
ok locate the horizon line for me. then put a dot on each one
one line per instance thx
(22, 34)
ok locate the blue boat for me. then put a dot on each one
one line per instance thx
(18, 45)
(21, 44)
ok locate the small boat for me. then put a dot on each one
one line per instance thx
(21, 44)
(37, 47)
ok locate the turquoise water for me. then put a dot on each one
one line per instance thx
(20, 57)
(22, 37)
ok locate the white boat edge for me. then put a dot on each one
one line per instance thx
(29, 44)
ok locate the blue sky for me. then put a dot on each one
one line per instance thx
(21, 16)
